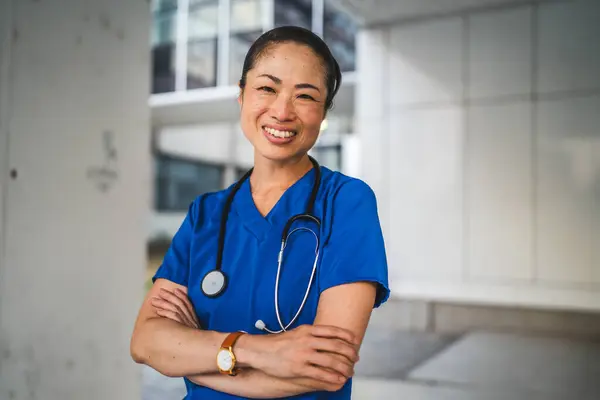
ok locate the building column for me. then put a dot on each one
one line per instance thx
(74, 194)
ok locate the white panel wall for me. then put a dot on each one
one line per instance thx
(425, 64)
(372, 120)
(569, 174)
(492, 176)
(73, 270)
(499, 53)
(499, 191)
(426, 196)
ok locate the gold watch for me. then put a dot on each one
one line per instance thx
(225, 357)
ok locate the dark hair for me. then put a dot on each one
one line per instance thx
(296, 34)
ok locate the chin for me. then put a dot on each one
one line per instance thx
(279, 154)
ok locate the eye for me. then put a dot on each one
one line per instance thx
(266, 89)
(306, 96)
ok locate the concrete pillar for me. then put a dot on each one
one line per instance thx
(74, 128)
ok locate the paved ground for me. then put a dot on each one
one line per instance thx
(477, 366)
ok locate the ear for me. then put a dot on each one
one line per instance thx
(240, 95)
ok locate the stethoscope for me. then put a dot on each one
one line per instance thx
(214, 282)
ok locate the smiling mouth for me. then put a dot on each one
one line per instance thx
(279, 134)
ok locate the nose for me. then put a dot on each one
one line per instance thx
(282, 108)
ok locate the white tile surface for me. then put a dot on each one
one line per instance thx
(569, 53)
(372, 55)
(426, 193)
(569, 131)
(426, 62)
(500, 53)
(549, 367)
(499, 191)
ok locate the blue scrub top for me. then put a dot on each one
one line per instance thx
(351, 250)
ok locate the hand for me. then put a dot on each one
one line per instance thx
(324, 353)
(176, 306)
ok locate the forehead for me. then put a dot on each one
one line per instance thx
(291, 62)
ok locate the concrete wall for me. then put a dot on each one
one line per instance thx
(481, 137)
(74, 105)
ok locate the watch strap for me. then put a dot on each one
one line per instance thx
(231, 339)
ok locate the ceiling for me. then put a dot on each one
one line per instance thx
(376, 12)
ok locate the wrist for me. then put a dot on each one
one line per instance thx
(247, 351)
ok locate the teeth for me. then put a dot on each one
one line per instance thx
(280, 134)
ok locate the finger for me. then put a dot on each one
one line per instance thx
(339, 365)
(170, 315)
(176, 302)
(168, 306)
(323, 375)
(188, 305)
(336, 346)
(327, 331)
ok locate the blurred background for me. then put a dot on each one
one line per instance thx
(476, 122)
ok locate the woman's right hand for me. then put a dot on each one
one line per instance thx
(324, 353)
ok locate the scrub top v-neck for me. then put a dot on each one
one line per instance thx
(351, 249)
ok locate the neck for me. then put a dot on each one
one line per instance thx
(269, 175)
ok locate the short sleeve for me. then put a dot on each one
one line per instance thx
(175, 265)
(355, 249)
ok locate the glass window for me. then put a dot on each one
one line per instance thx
(293, 12)
(180, 181)
(246, 15)
(164, 34)
(239, 45)
(339, 32)
(203, 28)
(246, 27)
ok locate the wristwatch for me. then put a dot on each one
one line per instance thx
(225, 357)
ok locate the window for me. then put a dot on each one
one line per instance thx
(202, 43)
(164, 29)
(246, 27)
(180, 181)
(339, 32)
(293, 12)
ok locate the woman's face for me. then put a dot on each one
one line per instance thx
(283, 103)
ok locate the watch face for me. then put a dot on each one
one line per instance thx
(225, 360)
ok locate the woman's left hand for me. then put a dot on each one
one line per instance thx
(177, 307)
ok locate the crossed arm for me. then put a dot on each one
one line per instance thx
(306, 359)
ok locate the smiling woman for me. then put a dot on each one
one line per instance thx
(223, 312)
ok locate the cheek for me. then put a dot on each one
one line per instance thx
(254, 107)
(312, 117)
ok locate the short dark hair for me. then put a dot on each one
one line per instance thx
(296, 34)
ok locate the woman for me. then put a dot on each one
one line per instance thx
(227, 311)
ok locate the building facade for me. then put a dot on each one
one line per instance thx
(198, 49)
(476, 123)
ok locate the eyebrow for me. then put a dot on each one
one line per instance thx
(298, 86)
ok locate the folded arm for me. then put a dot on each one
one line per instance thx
(347, 306)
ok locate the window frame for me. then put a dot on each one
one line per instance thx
(159, 156)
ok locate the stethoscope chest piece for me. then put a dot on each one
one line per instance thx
(214, 283)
